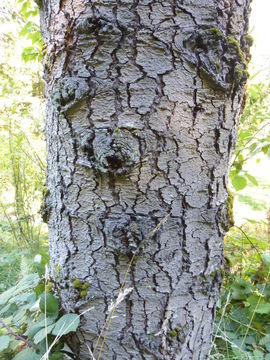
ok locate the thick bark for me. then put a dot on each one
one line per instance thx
(143, 99)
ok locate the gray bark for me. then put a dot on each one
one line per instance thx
(143, 99)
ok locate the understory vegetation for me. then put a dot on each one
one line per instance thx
(33, 325)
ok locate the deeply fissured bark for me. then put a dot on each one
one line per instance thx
(143, 99)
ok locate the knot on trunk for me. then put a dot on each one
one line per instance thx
(96, 24)
(221, 58)
(69, 91)
(117, 153)
(124, 234)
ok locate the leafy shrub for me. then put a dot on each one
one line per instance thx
(253, 137)
(242, 328)
(32, 323)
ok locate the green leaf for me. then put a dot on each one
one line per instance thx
(31, 332)
(22, 298)
(238, 295)
(29, 27)
(35, 37)
(265, 340)
(27, 354)
(239, 182)
(253, 147)
(28, 282)
(45, 258)
(57, 356)
(4, 310)
(258, 355)
(66, 324)
(266, 291)
(41, 334)
(233, 173)
(238, 167)
(252, 301)
(49, 305)
(250, 340)
(4, 342)
(5, 296)
(252, 179)
(265, 149)
(266, 259)
(263, 309)
(244, 134)
(240, 289)
(19, 315)
(39, 289)
(30, 53)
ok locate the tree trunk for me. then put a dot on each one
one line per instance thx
(143, 99)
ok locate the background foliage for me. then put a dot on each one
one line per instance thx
(27, 329)
(22, 146)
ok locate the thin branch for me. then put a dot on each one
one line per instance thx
(245, 144)
(18, 337)
(248, 239)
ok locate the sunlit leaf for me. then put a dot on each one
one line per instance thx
(252, 179)
(239, 182)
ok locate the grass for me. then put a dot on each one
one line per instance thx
(242, 328)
